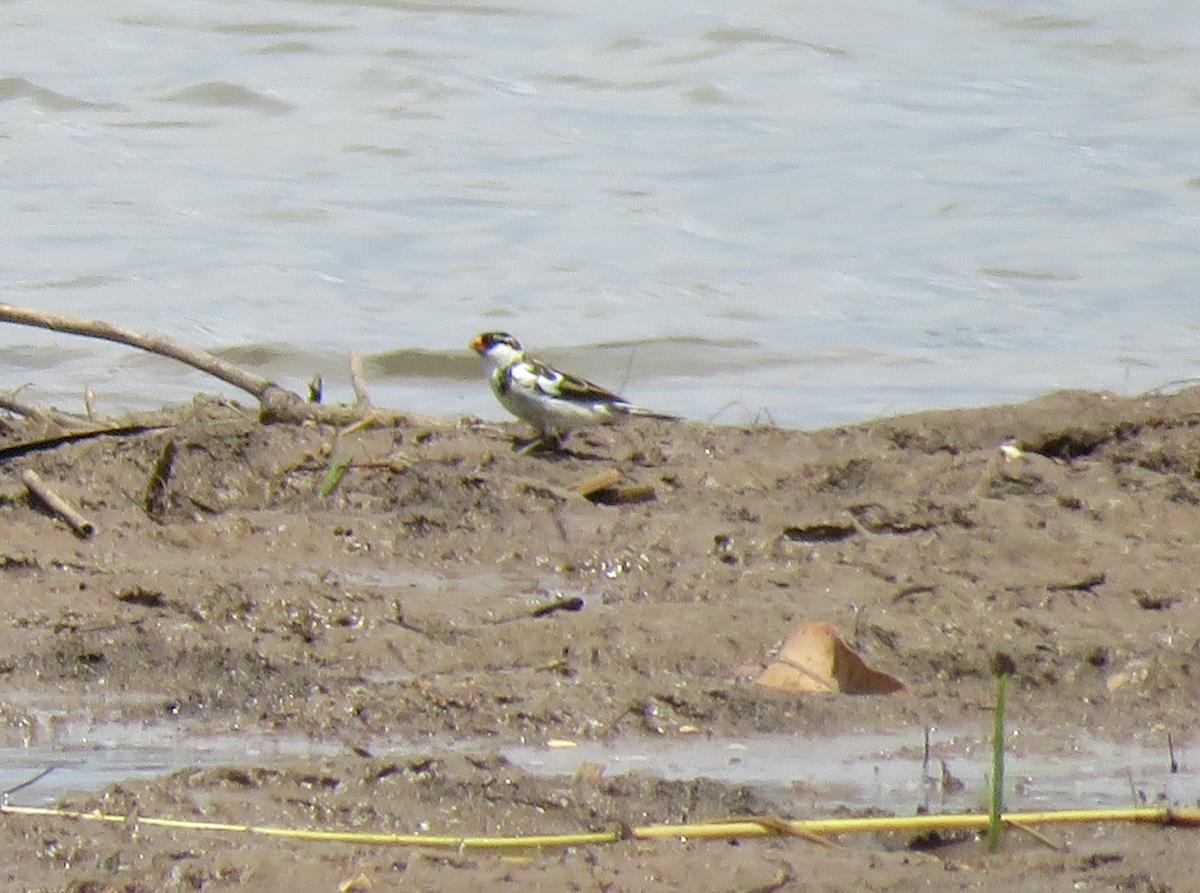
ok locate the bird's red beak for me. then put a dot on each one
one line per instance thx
(478, 346)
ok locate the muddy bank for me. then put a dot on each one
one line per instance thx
(449, 587)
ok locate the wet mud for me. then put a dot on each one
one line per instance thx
(450, 590)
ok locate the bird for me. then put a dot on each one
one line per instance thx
(553, 402)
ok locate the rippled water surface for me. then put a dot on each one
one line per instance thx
(796, 211)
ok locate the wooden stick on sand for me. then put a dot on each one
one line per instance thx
(81, 525)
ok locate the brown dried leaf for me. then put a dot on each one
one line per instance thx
(814, 658)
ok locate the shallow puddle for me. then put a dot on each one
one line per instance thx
(889, 770)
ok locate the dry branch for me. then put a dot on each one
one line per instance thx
(277, 404)
(198, 359)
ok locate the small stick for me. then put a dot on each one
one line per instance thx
(57, 504)
(89, 403)
(562, 603)
(624, 495)
(603, 480)
(545, 609)
(358, 380)
(782, 827)
(364, 422)
(94, 415)
(28, 783)
(1037, 835)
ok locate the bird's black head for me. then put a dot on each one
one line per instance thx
(485, 342)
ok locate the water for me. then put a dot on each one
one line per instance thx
(794, 211)
(859, 769)
(887, 770)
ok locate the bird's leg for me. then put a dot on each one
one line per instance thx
(531, 446)
(547, 440)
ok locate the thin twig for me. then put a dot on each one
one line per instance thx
(1036, 835)
(27, 783)
(10, 403)
(16, 407)
(89, 403)
(364, 422)
(358, 380)
(39, 444)
(81, 525)
(782, 827)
